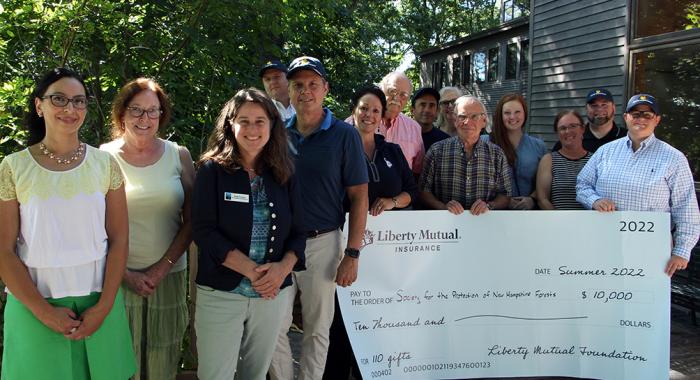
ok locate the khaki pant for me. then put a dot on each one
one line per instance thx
(317, 287)
(236, 334)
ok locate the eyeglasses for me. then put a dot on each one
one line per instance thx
(564, 128)
(473, 117)
(447, 103)
(80, 102)
(153, 113)
(646, 115)
(396, 93)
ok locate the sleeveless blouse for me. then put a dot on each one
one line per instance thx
(154, 197)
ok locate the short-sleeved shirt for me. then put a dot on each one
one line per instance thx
(527, 158)
(528, 154)
(592, 143)
(327, 161)
(449, 174)
(432, 136)
(63, 240)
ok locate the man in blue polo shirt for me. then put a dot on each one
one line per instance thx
(329, 163)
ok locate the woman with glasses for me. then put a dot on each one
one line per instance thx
(63, 246)
(247, 223)
(522, 150)
(391, 187)
(557, 171)
(642, 173)
(446, 117)
(159, 177)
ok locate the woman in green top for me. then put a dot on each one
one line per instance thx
(159, 176)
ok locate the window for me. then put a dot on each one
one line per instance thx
(524, 54)
(456, 70)
(466, 69)
(672, 76)
(511, 9)
(443, 74)
(664, 61)
(512, 61)
(493, 64)
(665, 16)
(480, 67)
(436, 74)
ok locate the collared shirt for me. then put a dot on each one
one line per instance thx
(656, 177)
(449, 174)
(405, 132)
(527, 157)
(326, 162)
(285, 112)
(591, 143)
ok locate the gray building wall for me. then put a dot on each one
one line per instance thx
(575, 46)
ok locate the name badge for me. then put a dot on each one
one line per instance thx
(235, 197)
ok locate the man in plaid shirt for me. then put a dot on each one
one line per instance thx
(465, 172)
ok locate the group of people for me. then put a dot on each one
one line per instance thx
(93, 247)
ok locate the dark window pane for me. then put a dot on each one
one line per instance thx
(480, 67)
(524, 54)
(665, 16)
(443, 74)
(512, 61)
(456, 70)
(493, 64)
(466, 69)
(672, 75)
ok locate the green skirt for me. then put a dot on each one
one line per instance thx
(33, 351)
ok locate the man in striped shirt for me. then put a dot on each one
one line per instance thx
(465, 172)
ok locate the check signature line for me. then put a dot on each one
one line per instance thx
(521, 318)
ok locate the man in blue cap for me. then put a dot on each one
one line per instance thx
(274, 77)
(330, 163)
(601, 127)
(642, 173)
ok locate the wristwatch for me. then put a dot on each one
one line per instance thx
(352, 252)
(396, 202)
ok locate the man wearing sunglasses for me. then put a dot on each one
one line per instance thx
(642, 173)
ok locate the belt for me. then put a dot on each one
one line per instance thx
(315, 233)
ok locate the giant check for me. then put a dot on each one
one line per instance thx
(503, 294)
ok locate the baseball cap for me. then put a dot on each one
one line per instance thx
(273, 64)
(306, 63)
(421, 92)
(599, 93)
(643, 99)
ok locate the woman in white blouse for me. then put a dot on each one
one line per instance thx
(63, 246)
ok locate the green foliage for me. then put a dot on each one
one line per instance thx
(202, 51)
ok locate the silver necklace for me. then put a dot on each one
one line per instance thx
(63, 161)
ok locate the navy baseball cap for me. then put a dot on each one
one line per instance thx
(273, 64)
(306, 63)
(599, 93)
(423, 91)
(643, 99)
